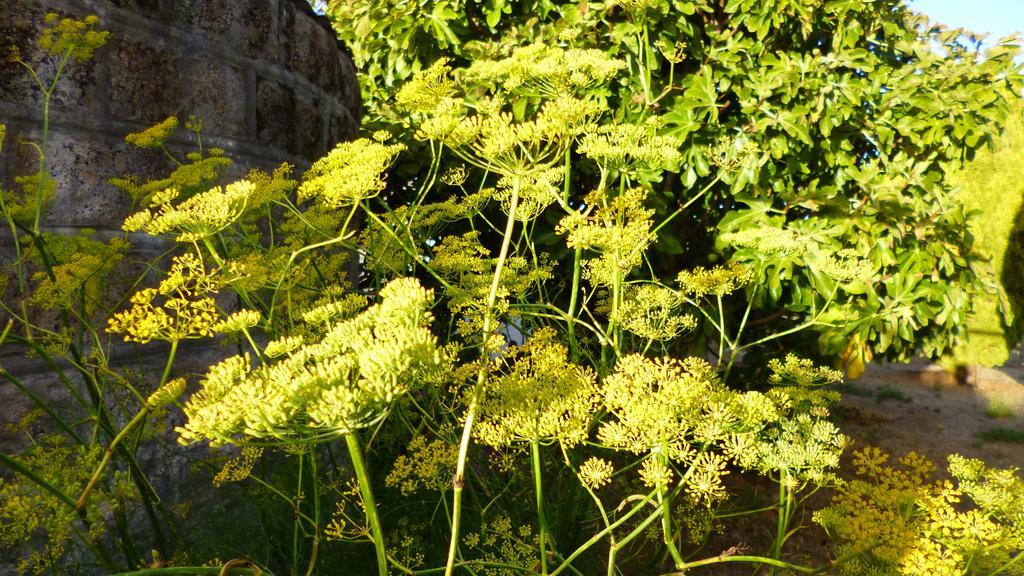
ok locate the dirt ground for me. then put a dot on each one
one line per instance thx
(899, 408)
(923, 408)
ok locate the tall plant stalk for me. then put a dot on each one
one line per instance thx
(458, 483)
(355, 452)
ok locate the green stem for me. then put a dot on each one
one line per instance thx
(783, 521)
(629, 538)
(474, 402)
(600, 535)
(44, 146)
(41, 187)
(752, 559)
(734, 346)
(296, 525)
(315, 482)
(107, 454)
(539, 491)
(573, 300)
(665, 499)
(721, 331)
(365, 487)
(197, 571)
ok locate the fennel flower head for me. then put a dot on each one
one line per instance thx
(181, 307)
(196, 218)
(321, 389)
(898, 518)
(658, 404)
(351, 173)
(540, 397)
(514, 115)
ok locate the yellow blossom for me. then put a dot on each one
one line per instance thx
(179, 308)
(596, 472)
(155, 136)
(343, 381)
(349, 174)
(427, 464)
(166, 394)
(540, 396)
(717, 281)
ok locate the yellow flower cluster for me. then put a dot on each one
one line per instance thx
(999, 492)
(20, 203)
(238, 468)
(80, 268)
(469, 267)
(283, 345)
(717, 281)
(344, 381)
(766, 241)
(618, 229)
(428, 465)
(895, 521)
(343, 524)
(804, 446)
(537, 191)
(196, 175)
(679, 411)
(631, 148)
(654, 473)
(349, 174)
(180, 307)
(657, 404)
(540, 396)
(842, 266)
(493, 139)
(251, 271)
(545, 71)
(704, 484)
(328, 309)
(199, 217)
(501, 543)
(652, 311)
(166, 394)
(535, 103)
(801, 372)
(36, 529)
(596, 472)
(77, 38)
(238, 321)
(155, 136)
(425, 91)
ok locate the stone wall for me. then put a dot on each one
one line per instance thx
(270, 82)
(267, 77)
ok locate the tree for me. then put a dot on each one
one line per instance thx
(817, 133)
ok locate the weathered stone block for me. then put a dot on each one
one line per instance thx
(218, 97)
(146, 80)
(221, 19)
(275, 113)
(261, 30)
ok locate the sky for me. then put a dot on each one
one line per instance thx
(996, 17)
